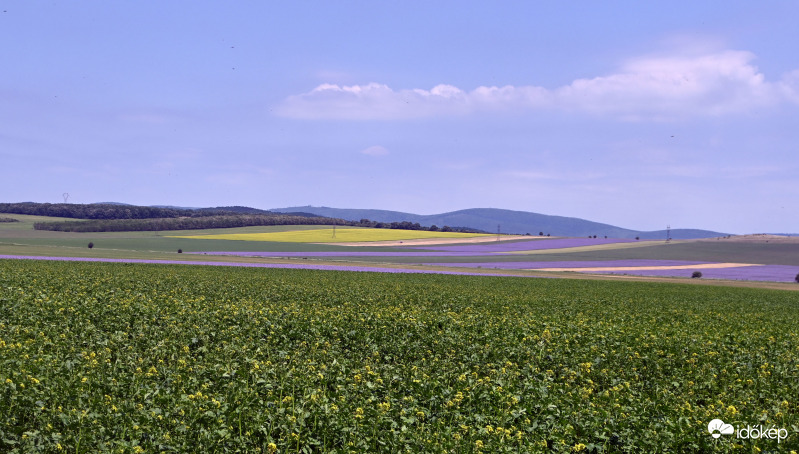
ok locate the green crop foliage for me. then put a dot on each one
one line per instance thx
(104, 357)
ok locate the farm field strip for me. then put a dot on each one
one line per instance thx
(766, 273)
(303, 266)
(530, 245)
(347, 254)
(438, 241)
(574, 264)
(112, 357)
(647, 267)
(625, 246)
(697, 266)
(340, 235)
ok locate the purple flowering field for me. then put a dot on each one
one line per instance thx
(532, 245)
(344, 254)
(572, 264)
(773, 273)
(442, 251)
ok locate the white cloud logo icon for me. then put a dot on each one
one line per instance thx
(717, 428)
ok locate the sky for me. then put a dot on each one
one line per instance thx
(636, 114)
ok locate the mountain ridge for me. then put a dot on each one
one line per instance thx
(506, 221)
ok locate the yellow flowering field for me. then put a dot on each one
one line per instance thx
(342, 235)
(126, 358)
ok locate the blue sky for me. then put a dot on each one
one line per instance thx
(637, 114)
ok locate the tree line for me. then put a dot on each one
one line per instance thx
(181, 223)
(115, 211)
(121, 218)
(221, 222)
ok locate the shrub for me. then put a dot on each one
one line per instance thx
(797, 278)
(180, 251)
(91, 245)
(696, 274)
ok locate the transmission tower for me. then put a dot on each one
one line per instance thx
(66, 196)
(668, 233)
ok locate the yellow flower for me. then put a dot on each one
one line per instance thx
(271, 447)
(578, 447)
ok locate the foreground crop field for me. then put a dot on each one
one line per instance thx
(114, 357)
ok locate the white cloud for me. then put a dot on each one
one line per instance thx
(789, 86)
(373, 101)
(375, 150)
(719, 83)
(713, 84)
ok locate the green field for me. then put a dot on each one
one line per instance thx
(162, 358)
(21, 239)
(329, 235)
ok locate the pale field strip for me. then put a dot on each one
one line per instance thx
(641, 268)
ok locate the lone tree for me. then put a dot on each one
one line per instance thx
(91, 245)
(797, 278)
(696, 274)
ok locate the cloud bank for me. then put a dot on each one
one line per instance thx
(648, 88)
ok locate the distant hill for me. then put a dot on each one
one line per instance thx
(509, 221)
(482, 219)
